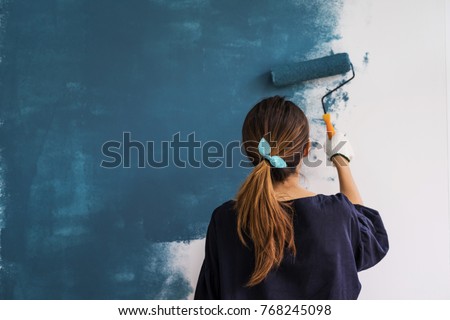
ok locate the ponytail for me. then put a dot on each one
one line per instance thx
(265, 220)
(261, 219)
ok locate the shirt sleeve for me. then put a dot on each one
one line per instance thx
(208, 281)
(370, 239)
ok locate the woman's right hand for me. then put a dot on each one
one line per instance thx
(340, 151)
(339, 145)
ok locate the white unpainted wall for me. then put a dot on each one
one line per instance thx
(399, 129)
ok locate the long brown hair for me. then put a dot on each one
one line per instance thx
(261, 216)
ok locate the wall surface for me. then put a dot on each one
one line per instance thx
(76, 74)
(399, 130)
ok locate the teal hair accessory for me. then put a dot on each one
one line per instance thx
(264, 150)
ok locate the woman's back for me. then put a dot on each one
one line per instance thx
(334, 239)
(261, 247)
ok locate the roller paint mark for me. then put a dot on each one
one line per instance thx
(87, 71)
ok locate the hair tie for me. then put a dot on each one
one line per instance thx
(264, 150)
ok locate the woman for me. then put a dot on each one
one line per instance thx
(278, 240)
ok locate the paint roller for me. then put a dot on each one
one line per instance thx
(289, 74)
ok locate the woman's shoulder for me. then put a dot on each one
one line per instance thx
(223, 217)
(224, 210)
(332, 203)
(225, 207)
(322, 200)
(339, 203)
(325, 205)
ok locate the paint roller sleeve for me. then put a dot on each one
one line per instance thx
(289, 74)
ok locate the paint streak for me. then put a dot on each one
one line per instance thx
(366, 58)
(3, 22)
(2, 205)
(85, 71)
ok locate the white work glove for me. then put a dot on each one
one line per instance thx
(339, 145)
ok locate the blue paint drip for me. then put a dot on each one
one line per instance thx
(345, 96)
(366, 58)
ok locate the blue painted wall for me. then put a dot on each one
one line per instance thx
(75, 74)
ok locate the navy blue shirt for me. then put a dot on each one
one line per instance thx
(334, 238)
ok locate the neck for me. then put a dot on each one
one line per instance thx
(293, 181)
(291, 188)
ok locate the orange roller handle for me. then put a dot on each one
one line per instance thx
(330, 128)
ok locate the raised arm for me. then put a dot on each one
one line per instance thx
(347, 184)
(340, 152)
